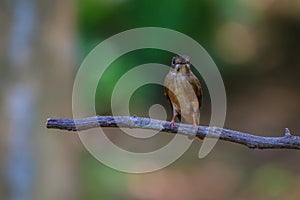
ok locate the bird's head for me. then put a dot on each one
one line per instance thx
(181, 64)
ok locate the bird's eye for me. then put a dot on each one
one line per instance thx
(173, 61)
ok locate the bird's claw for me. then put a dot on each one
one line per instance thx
(172, 123)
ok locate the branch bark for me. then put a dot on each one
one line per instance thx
(287, 141)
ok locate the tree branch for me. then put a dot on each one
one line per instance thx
(287, 141)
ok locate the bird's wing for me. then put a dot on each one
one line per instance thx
(170, 95)
(193, 80)
(166, 90)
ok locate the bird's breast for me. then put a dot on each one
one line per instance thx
(182, 89)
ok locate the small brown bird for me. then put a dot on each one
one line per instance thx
(184, 91)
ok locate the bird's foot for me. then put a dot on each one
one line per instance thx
(172, 123)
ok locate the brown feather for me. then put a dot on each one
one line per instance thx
(183, 90)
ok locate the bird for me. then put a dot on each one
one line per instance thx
(184, 91)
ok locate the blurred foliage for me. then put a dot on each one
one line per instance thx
(101, 181)
(271, 180)
(255, 44)
(256, 47)
(142, 98)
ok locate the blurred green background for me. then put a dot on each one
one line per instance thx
(255, 44)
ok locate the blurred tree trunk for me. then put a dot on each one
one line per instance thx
(58, 157)
(38, 80)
